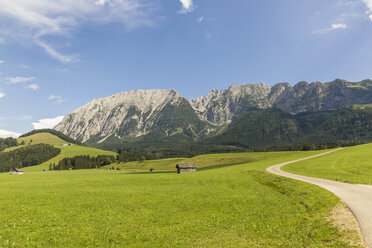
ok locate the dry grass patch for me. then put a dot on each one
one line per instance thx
(342, 218)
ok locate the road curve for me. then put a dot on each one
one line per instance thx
(357, 197)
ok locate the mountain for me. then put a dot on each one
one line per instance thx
(220, 106)
(158, 117)
(127, 115)
(275, 129)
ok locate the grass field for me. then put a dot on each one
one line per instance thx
(202, 161)
(45, 138)
(232, 206)
(351, 165)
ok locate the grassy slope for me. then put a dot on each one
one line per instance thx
(66, 151)
(236, 206)
(45, 138)
(202, 161)
(351, 165)
(70, 151)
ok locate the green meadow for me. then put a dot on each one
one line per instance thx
(225, 206)
(66, 151)
(350, 165)
(202, 161)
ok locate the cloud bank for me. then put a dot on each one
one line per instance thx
(368, 3)
(47, 123)
(6, 134)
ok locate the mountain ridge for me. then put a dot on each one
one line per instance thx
(165, 113)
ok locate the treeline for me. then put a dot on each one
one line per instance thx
(27, 156)
(7, 142)
(130, 156)
(54, 132)
(83, 162)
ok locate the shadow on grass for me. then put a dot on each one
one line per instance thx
(213, 167)
(149, 173)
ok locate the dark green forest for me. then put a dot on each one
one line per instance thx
(276, 130)
(7, 142)
(83, 162)
(27, 156)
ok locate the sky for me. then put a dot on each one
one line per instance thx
(56, 56)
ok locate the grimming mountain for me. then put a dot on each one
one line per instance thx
(249, 115)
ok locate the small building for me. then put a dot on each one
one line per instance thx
(17, 171)
(186, 168)
(67, 144)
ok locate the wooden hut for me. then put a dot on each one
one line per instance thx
(17, 171)
(186, 168)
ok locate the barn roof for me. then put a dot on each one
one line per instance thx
(186, 166)
(18, 170)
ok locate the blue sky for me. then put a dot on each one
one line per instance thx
(58, 55)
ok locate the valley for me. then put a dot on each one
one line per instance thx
(238, 205)
(231, 195)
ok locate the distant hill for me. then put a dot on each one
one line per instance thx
(249, 116)
(49, 137)
(44, 138)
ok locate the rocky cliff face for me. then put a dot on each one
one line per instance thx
(166, 113)
(220, 106)
(127, 115)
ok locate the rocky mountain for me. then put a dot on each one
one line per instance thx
(220, 106)
(133, 114)
(165, 113)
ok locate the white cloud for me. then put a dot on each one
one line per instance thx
(16, 80)
(368, 3)
(58, 56)
(2, 94)
(333, 27)
(200, 19)
(33, 86)
(101, 2)
(187, 6)
(56, 99)
(47, 123)
(39, 20)
(1, 61)
(339, 26)
(208, 36)
(6, 134)
(53, 97)
(2, 41)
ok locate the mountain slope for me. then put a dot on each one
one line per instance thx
(132, 114)
(220, 106)
(276, 129)
(158, 117)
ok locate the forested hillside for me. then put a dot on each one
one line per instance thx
(277, 130)
(27, 156)
(7, 142)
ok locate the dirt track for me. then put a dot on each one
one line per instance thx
(357, 197)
